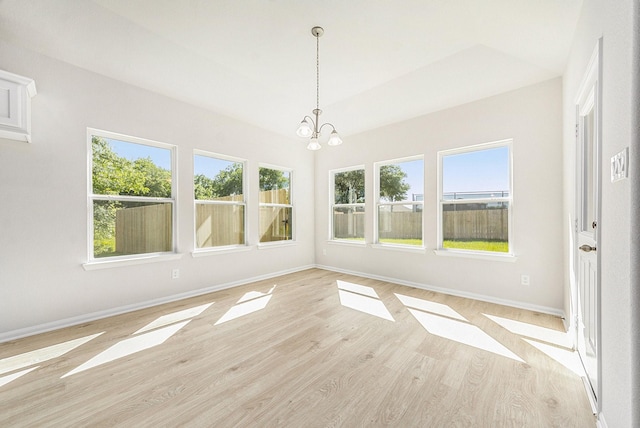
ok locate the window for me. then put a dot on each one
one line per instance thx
(220, 204)
(348, 204)
(400, 190)
(131, 194)
(276, 210)
(476, 198)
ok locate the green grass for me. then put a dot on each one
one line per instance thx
(495, 246)
(417, 242)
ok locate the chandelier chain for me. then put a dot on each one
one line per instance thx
(310, 125)
(318, 72)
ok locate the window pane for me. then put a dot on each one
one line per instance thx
(275, 223)
(348, 222)
(475, 195)
(481, 172)
(476, 226)
(477, 174)
(217, 179)
(123, 168)
(124, 227)
(588, 185)
(274, 186)
(400, 224)
(219, 224)
(349, 187)
(402, 181)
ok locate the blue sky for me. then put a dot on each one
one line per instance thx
(482, 170)
(415, 176)
(161, 157)
(209, 166)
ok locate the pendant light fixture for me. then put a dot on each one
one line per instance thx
(310, 127)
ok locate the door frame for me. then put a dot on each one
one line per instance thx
(593, 73)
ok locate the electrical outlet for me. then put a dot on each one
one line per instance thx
(324, 252)
(175, 274)
(525, 280)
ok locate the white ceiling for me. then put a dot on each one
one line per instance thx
(381, 61)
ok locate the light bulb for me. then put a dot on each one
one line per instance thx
(334, 139)
(314, 145)
(304, 130)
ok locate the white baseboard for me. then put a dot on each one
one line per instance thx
(81, 319)
(601, 423)
(481, 297)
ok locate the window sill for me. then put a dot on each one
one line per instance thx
(404, 248)
(477, 255)
(135, 260)
(347, 242)
(212, 251)
(276, 244)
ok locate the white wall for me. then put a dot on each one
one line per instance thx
(532, 117)
(612, 20)
(43, 198)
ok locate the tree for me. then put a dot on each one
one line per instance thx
(156, 180)
(203, 187)
(393, 188)
(272, 179)
(112, 174)
(117, 175)
(228, 182)
(349, 187)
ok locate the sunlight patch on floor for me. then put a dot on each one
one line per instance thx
(567, 358)
(428, 306)
(462, 332)
(362, 298)
(251, 302)
(364, 304)
(356, 288)
(174, 317)
(43, 354)
(130, 346)
(8, 378)
(153, 334)
(542, 334)
(254, 295)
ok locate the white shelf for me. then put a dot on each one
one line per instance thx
(15, 106)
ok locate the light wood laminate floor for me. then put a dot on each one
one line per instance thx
(309, 349)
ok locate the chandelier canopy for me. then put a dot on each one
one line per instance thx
(310, 127)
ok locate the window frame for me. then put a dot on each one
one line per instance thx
(292, 221)
(492, 255)
(378, 204)
(97, 262)
(333, 205)
(245, 188)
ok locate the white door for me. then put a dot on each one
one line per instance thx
(588, 119)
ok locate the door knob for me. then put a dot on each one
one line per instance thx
(587, 248)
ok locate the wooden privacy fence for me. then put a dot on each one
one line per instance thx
(485, 225)
(348, 225)
(147, 229)
(144, 229)
(276, 196)
(218, 225)
(275, 224)
(482, 225)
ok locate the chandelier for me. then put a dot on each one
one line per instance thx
(309, 127)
